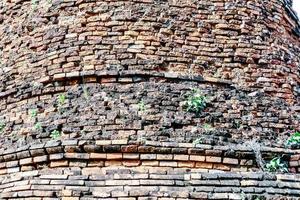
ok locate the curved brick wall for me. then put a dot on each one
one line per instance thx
(106, 57)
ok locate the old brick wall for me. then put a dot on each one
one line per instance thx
(109, 58)
(244, 55)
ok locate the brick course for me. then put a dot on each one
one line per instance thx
(112, 77)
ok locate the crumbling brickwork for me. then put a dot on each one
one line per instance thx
(94, 92)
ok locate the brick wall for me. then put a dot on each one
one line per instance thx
(118, 169)
(107, 59)
(244, 58)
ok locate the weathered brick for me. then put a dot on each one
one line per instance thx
(197, 158)
(168, 164)
(148, 156)
(131, 163)
(114, 156)
(39, 159)
(204, 165)
(60, 163)
(181, 157)
(164, 157)
(150, 163)
(230, 161)
(213, 159)
(98, 155)
(186, 164)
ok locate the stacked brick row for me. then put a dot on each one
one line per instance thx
(111, 79)
(114, 169)
(141, 183)
(138, 172)
(123, 152)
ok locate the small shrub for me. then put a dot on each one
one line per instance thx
(61, 99)
(236, 124)
(197, 141)
(55, 134)
(33, 113)
(294, 139)
(277, 165)
(142, 106)
(195, 102)
(38, 126)
(208, 127)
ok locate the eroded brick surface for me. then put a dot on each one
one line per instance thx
(112, 78)
(106, 57)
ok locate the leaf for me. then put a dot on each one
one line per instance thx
(195, 102)
(33, 113)
(294, 139)
(38, 126)
(276, 164)
(55, 134)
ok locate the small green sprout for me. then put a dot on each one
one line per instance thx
(294, 139)
(38, 126)
(208, 127)
(142, 106)
(33, 113)
(195, 102)
(34, 4)
(277, 165)
(197, 141)
(55, 134)
(61, 99)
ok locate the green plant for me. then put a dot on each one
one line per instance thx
(2, 126)
(33, 113)
(276, 165)
(55, 134)
(208, 127)
(197, 141)
(195, 102)
(236, 124)
(61, 99)
(38, 126)
(142, 140)
(34, 4)
(294, 139)
(142, 106)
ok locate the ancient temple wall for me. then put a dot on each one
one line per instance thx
(112, 78)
